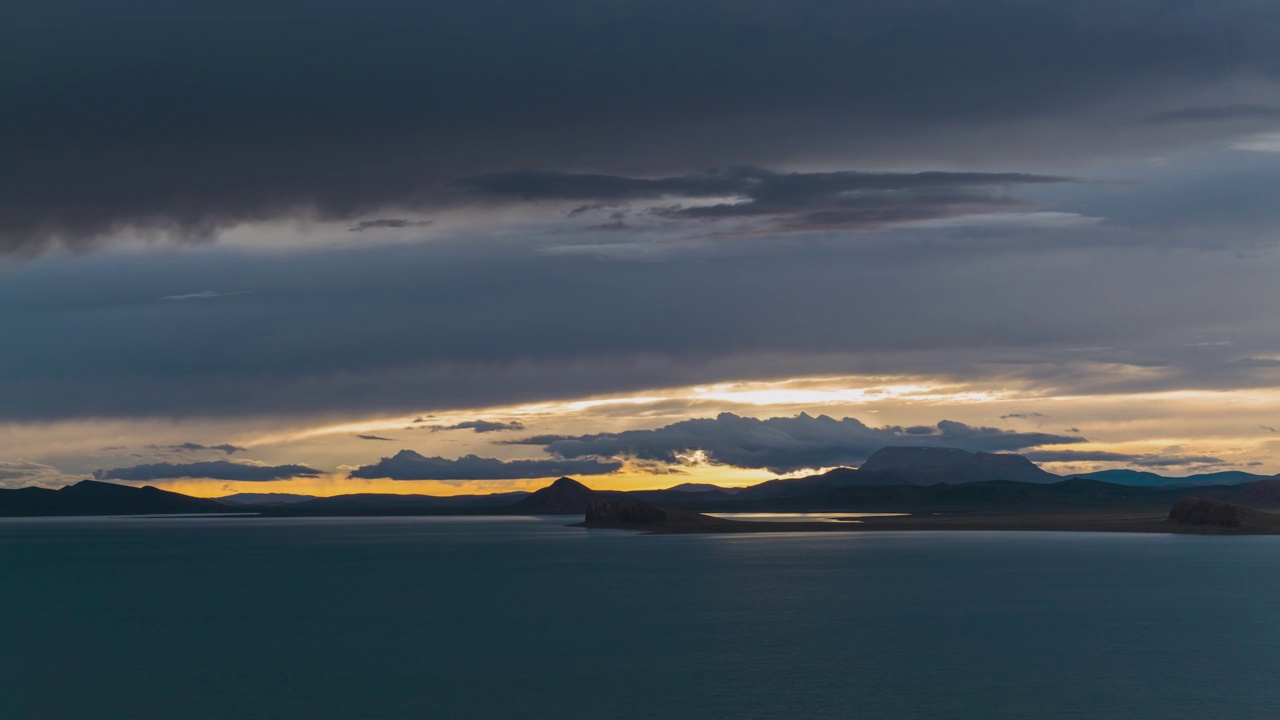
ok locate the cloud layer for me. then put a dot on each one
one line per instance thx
(1145, 460)
(226, 448)
(786, 201)
(479, 426)
(215, 470)
(785, 444)
(409, 465)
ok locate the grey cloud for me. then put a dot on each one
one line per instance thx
(920, 430)
(227, 448)
(767, 311)
(387, 224)
(24, 473)
(375, 437)
(1138, 460)
(197, 118)
(216, 470)
(480, 426)
(790, 201)
(1217, 113)
(202, 295)
(409, 465)
(1023, 416)
(785, 444)
(1257, 362)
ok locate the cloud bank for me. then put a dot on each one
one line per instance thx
(409, 465)
(216, 470)
(788, 201)
(479, 426)
(785, 444)
(1149, 460)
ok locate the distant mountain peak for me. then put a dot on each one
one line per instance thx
(568, 482)
(692, 487)
(564, 496)
(941, 464)
(904, 457)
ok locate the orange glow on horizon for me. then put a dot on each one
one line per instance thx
(339, 484)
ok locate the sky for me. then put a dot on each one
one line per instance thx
(459, 247)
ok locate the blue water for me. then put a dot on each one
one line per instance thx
(522, 618)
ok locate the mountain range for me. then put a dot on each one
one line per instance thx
(893, 478)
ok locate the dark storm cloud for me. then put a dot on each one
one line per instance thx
(480, 426)
(227, 448)
(1139, 460)
(409, 465)
(785, 444)
(216, 470)
(184, 119)
(827, 200)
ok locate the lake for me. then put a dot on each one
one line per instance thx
(251, 618)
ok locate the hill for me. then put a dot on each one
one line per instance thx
(395, 504)
(264, 498)
(1149, 479)
(907, 466)
(565, 496)
(701, 488)
(91, 497)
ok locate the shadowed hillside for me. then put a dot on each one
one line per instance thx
(90, 497)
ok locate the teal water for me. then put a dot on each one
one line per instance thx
(522, 618)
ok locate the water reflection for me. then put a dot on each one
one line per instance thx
(802, 517)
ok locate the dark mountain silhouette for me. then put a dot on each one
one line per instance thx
(997, 495)
(1150, 479)
(701, 488)
(671, 496)
(908, 466)
(393, 504)
(264, 498)
(929, 466)
(793, 487)
(1259, 493)
(565, 496)
(91, 497)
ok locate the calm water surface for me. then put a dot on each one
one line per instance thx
(522, 618)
